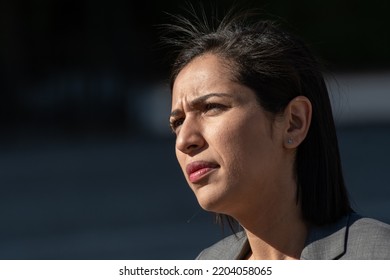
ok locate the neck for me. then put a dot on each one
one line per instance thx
(282, 238)
(275, 227)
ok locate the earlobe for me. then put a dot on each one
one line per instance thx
(298, 118)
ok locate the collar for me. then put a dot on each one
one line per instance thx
(323, 243)
(327, 242)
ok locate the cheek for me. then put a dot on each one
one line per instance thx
(228, 145)
(180, 159)
(241, 132)
(244, 146)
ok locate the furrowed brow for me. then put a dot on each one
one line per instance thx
(203, 98)
(198, 101)
(175, 113)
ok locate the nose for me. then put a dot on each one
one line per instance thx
(190, 139)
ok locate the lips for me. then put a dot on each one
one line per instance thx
(199, 169)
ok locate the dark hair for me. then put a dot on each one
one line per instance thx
(278, 67)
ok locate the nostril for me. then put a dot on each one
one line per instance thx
(192, 147)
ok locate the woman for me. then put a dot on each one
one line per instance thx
(256, 141)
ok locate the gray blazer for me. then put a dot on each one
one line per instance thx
(351, 238)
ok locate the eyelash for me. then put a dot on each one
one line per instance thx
(213, 106)
(176, 123)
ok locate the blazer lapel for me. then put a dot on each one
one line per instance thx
(327, 242)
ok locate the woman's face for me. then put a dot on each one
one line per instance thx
(230, 152)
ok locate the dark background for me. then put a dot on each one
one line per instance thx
(87, 166)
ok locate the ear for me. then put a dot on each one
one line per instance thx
(297, 119)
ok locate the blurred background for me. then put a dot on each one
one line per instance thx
(87, 165)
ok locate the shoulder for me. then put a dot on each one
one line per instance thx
(367, 239)
(352, 237)
(362, 225)
(229, 248)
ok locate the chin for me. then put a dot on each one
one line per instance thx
(212, 203)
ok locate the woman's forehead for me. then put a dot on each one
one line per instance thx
(202, 74)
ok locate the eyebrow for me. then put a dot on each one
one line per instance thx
(200, 100)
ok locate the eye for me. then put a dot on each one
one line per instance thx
(214, 107)
(176, 123)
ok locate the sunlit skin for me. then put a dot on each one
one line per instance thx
(236, 158)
